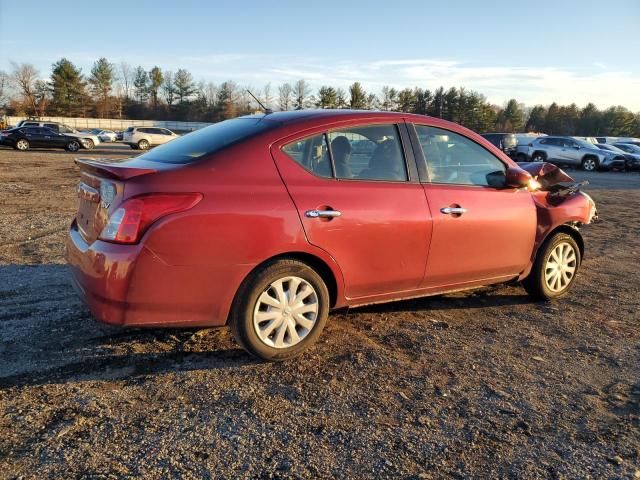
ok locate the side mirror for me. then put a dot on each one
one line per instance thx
(516, 177)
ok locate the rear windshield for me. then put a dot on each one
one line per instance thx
(208, 140)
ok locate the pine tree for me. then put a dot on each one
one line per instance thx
(68, 89)
(536, 120)
(358, 97)
(155, 82)
(327, 97)
(184, 85)
(140, 84)
(101, 81)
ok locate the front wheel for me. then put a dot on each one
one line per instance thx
(280, 310)
(88, 144)
(538, 157)
(554, 269)
(22, 145)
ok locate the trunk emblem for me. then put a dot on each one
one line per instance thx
(107, 194)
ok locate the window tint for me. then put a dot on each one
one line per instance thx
(195, 145)
(53, 126)
(371, 152)
(454, 159)
(312, 153)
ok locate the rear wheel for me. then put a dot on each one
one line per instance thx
(589, 164)
(22, 144)
(88, 144)
(143, 145)
(72, 146)
(554, 269)
(538, 157)
(280, 310)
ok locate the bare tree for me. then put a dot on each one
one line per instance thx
(126, 77)
(168, 87)
(211, 93)
(24, 77)
(268, 98)
(284, 93)
(301, 93)
(4, 86)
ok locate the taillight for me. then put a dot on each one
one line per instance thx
(131, 219)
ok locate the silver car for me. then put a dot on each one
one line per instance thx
(574, 152)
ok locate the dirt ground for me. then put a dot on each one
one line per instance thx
(485, 384)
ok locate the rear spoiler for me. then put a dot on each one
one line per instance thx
(114, 170)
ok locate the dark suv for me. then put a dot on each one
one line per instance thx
(507, 142)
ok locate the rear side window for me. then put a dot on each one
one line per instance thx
(130, 129)
(370, 152)
(195, 145)
(455, 159)
(311, 153)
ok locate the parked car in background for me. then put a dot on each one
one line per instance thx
(631, 141)
(574, 152)
(24, 138)
(142, 138)
(522, 147)
(507, 142)
(628, 148)
(267, 222)
(87, 140)
(104, 135)
(119, 135)
(632, 159)
(609, 140)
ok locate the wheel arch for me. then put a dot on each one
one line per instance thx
(323, 269)
(571, 230)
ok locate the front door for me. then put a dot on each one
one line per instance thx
(357, 202)
(481, 230)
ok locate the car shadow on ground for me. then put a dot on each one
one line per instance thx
(493, 296)
(48, 337)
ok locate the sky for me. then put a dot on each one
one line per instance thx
(539, 52)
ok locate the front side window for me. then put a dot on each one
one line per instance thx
(312, 154)
(454, 159)
(371, 152)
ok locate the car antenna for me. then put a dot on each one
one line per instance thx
(267, 111)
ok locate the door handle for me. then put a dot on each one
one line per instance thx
(322, 213)
(453, 210)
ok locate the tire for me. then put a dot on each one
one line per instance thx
(521, 157)
(256, 308)
(590, 164)
(143, 145)
(72, 146)
(538, 157)
(88, 144)
(540, 283)
(22, 145)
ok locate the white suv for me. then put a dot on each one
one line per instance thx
(141, 138)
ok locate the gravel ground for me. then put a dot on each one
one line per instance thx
(481, 384)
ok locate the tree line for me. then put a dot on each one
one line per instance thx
(122, 91)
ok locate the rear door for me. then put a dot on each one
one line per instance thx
(34, 136)
(359, 199)
(481, 230)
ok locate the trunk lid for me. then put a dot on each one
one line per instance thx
(102, 189)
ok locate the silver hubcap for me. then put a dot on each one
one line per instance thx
(22, 145)
(73, 146)
(589, 164)
(143, 145)
(561, 267)
(286, 312)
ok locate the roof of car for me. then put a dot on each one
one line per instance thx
(328, 114)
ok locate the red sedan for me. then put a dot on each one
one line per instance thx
(268, 222)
